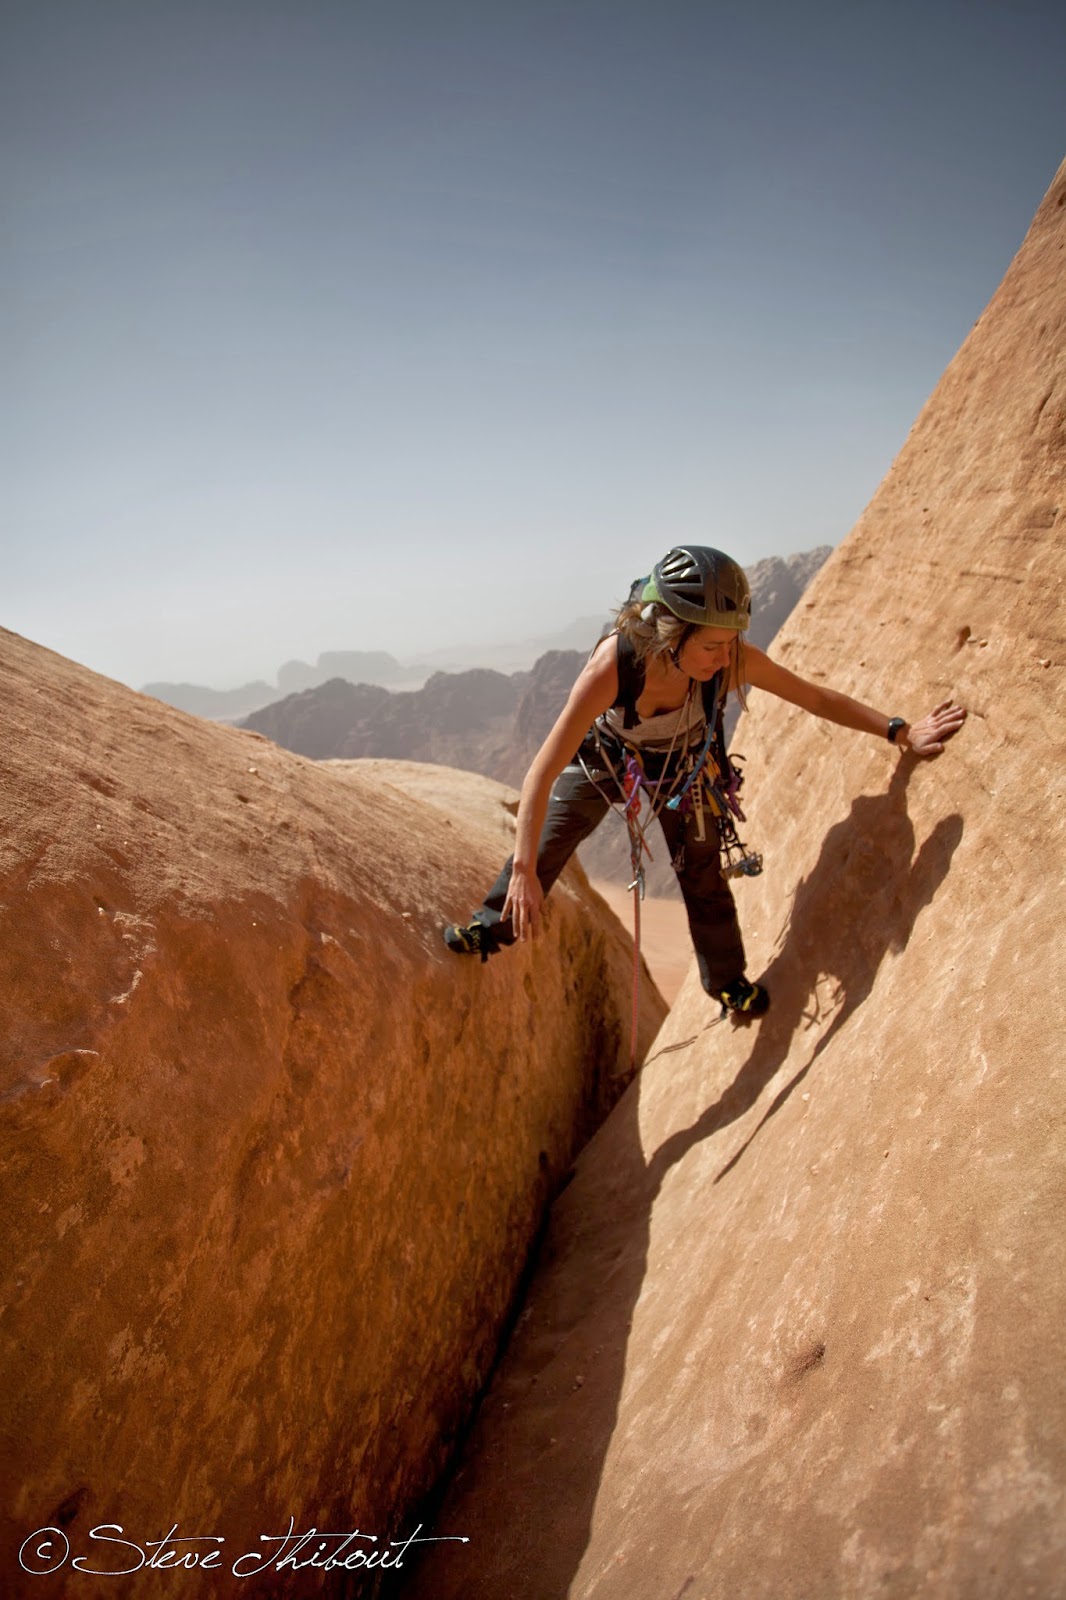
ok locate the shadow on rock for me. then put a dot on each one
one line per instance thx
(859, 903)
(528, 1483)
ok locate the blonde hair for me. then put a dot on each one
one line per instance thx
(656, 634)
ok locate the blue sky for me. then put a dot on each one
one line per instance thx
(396, 325)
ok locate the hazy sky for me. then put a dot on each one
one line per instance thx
(392, 324)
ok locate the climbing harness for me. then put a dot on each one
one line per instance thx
(696, 784)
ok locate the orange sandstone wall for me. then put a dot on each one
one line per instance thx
(272, 1158)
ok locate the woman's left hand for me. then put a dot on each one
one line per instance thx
(927, 737)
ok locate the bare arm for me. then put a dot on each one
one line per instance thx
(925, 738)
(595, 690)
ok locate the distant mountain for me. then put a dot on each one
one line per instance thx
(459, 719)
(219, 705)
(367, 667)
(314, 721)
(542, 696)
(493, 723)
(776, 586)
(355, 666)
(483, 720)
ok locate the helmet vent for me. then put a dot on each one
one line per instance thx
(698, 584)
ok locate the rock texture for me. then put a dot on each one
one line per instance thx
(272, 1158)
(797, 1326)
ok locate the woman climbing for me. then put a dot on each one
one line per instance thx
(636, 721)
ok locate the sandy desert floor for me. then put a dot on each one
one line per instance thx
(664, 936)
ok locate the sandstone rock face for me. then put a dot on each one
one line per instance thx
(272, 1158)
(797, 1327)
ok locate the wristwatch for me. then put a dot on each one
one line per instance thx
(895, 727)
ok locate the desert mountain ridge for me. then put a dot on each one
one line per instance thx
(481, 720)
(360, 668)
(774, 579)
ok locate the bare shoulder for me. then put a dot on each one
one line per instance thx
(596, 687)
(599, 675)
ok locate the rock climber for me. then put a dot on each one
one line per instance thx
(645, 716)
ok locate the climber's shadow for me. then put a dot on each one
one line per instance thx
(860, 900)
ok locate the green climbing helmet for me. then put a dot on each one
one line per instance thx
(701, 585)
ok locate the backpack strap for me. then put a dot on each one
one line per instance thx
(714, 711)
(630, 682)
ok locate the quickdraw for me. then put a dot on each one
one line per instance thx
(706, 785)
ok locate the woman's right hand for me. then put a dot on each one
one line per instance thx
(926, 738)
(524, 903)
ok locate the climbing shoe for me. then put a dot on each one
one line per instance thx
(472, 940)
(742, 998)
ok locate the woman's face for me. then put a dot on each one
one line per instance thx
(706, 652)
